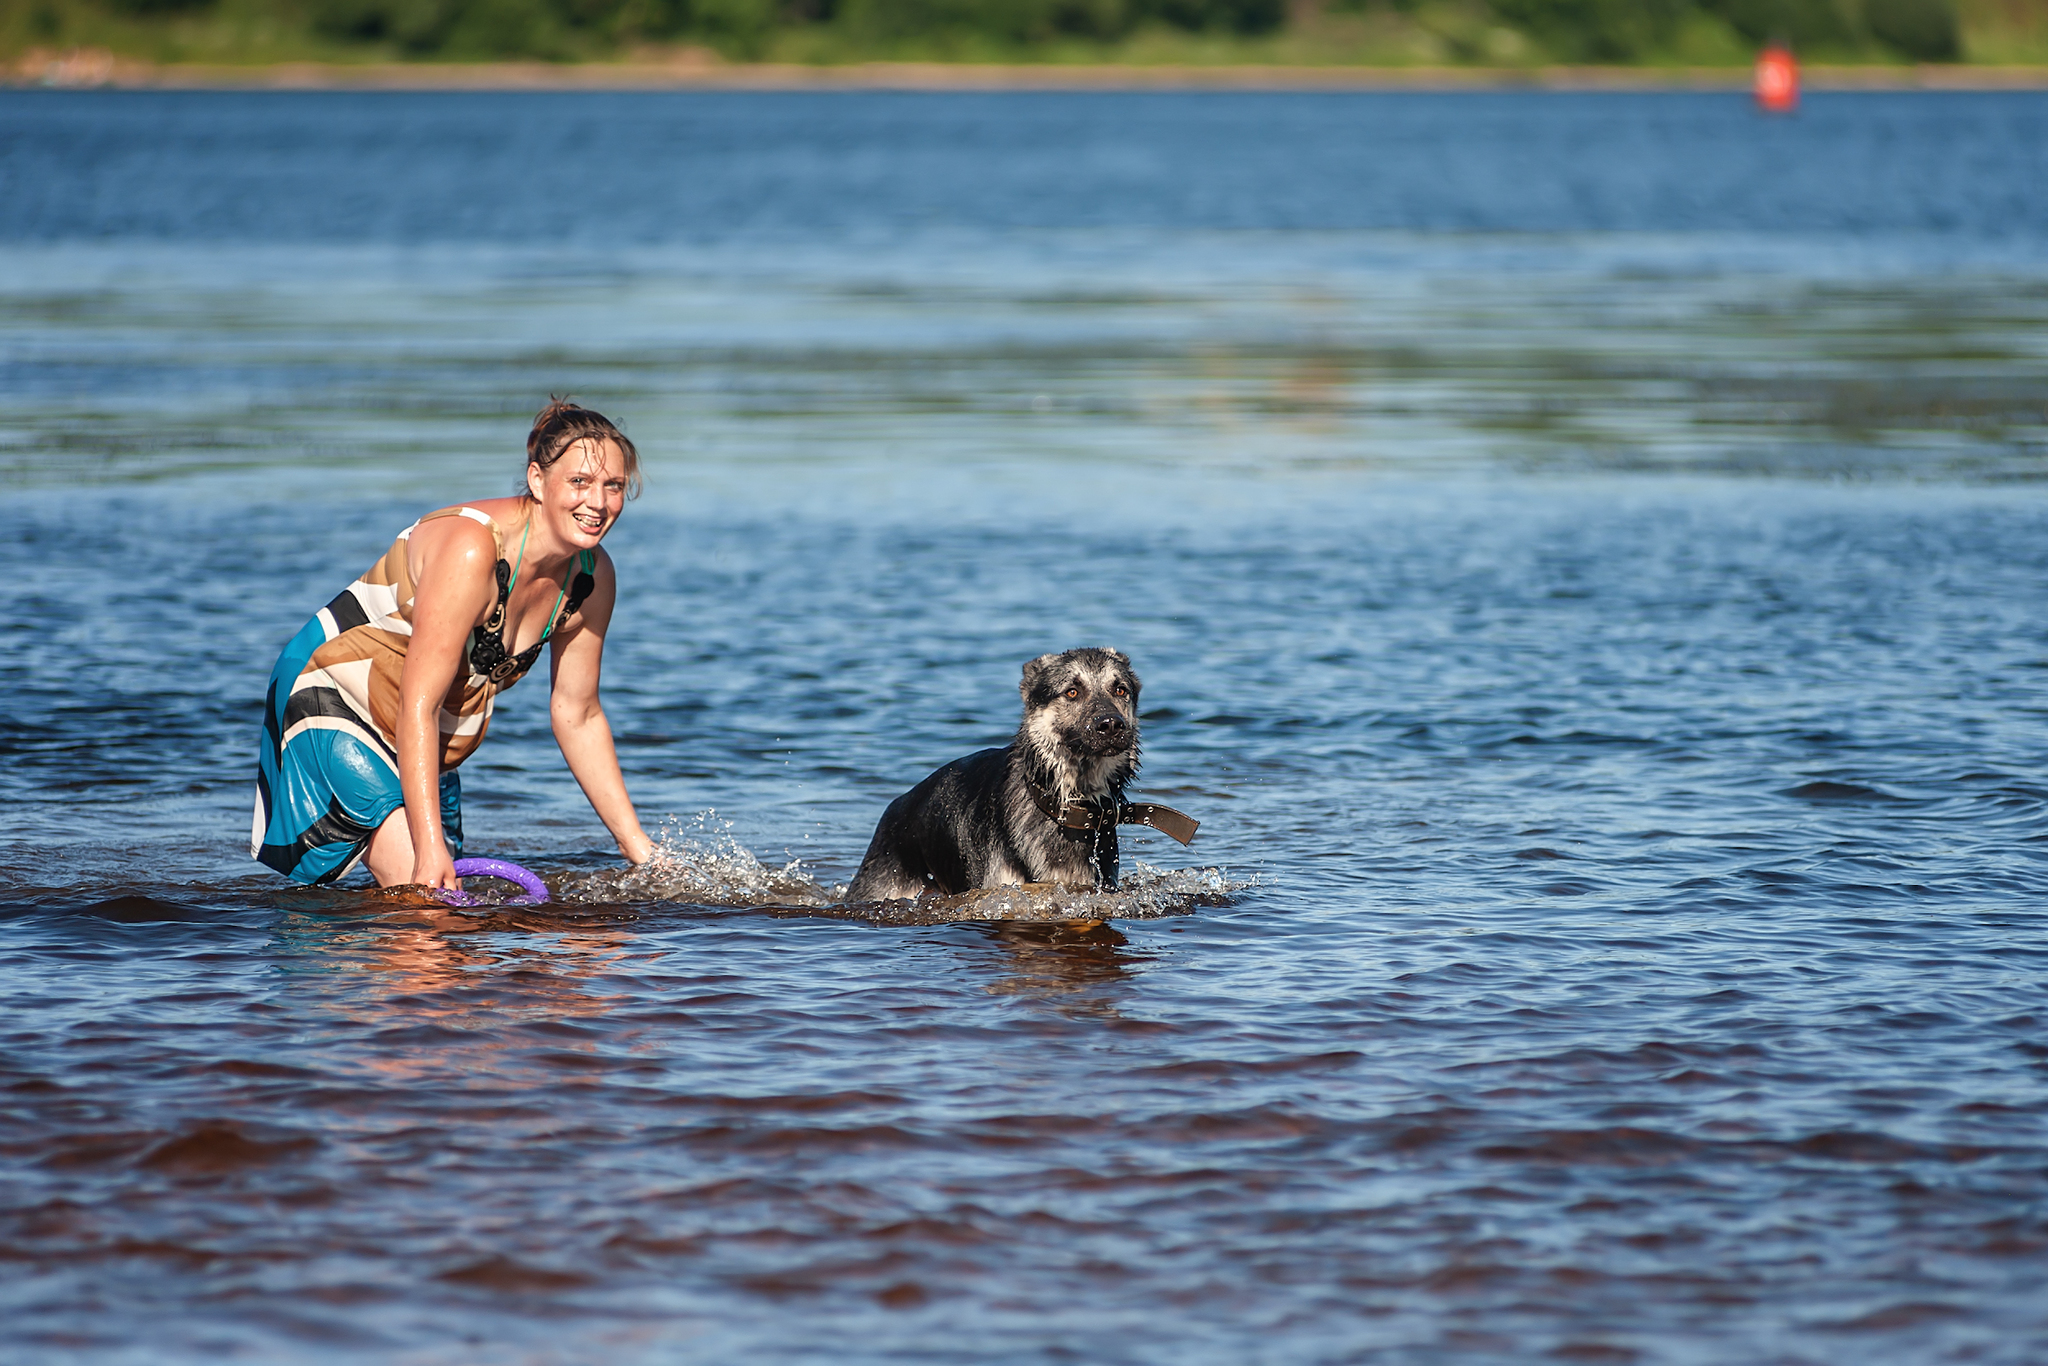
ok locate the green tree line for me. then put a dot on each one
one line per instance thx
(1535, 30)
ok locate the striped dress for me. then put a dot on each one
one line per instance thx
(327, 772)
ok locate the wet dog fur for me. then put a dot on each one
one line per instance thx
(979, 822)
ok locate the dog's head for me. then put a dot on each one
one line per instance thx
(1081, 721)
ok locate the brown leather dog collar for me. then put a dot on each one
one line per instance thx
(1167, 821)
(1080, 815)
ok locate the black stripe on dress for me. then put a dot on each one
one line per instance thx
(333, 828)
(307, 703)
(347, 611)
(271, 734)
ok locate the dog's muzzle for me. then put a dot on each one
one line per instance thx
(1105, 734)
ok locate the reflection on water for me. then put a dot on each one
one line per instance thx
(1069, 966)
(1585, 558)
(424, 963)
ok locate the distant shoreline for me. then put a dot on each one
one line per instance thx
(692, 70)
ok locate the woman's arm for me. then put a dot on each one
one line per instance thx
(454, 588)
(580, 726)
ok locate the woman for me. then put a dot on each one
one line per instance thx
(390, 686)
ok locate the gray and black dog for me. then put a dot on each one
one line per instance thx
(1043, 808)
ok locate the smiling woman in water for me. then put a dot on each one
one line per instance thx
(390, 686)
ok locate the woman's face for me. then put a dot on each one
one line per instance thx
(581, 494)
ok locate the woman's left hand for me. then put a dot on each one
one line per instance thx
(638, 849)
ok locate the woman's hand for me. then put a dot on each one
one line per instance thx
(638, 848)
(434, 870)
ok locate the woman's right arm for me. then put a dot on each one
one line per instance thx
(453, 587)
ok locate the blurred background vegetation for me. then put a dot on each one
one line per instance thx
(1369, 32)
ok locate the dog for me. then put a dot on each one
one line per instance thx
(1043, 808)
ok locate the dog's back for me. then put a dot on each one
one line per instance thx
(944, 835)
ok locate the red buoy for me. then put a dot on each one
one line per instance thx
(1777, 80)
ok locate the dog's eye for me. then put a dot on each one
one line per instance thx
(1120, 690)
(1073, 692)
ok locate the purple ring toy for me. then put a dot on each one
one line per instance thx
(536, 890)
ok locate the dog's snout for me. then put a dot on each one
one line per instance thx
(1109, 723)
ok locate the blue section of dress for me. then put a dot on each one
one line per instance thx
(321, 796)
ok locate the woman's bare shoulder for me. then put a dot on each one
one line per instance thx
(449, 537)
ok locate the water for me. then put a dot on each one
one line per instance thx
(1584, 555)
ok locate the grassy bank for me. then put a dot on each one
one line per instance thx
(36, 36)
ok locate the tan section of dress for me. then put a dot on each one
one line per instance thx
(369, 626)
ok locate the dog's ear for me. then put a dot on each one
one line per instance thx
(1037, 677)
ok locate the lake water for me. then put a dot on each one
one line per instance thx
(1586, 558)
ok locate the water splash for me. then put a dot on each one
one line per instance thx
(705, 865)
(1146, 893)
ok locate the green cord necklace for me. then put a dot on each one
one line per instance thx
(554, 613)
